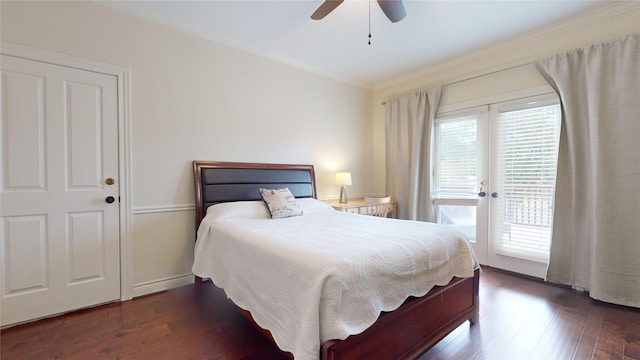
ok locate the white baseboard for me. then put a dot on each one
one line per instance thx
(162, 284)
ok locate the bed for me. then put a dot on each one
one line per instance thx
(404, 331)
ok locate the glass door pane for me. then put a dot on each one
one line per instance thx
(463, 217)
(457, 156)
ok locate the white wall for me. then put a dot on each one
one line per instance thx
(502, 63)
(194, 99)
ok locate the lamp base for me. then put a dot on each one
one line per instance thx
(343, 195)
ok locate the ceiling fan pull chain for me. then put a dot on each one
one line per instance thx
(369, 22)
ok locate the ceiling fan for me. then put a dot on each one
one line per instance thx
(392, 8)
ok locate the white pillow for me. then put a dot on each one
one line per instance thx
(281, 203)
(310, 205)
(238, 210)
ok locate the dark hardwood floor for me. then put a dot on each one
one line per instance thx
(519, 319)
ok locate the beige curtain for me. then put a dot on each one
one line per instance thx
(596, 229)
(408, 125)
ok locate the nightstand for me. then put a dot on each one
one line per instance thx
(358, 206)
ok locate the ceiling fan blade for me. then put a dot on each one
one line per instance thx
(393, 9)
(324, 9)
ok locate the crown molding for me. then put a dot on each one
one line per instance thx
(617, 8)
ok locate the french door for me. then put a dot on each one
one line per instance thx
(494, 179)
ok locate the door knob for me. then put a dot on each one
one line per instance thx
(494, 195)
(482, 194)
(110, 199)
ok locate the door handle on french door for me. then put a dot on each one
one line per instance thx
(110, 199)
(494, 195)
(482, 193)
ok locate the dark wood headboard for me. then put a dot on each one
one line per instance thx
(218, 182)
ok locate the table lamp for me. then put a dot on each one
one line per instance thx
(343, 179)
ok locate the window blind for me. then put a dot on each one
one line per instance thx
(527, 155)
(457, 150)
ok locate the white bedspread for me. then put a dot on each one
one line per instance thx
(326, 274)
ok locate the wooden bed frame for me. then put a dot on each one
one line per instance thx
(405, 333)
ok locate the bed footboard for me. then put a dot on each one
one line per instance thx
(415, 327)
(409, 331)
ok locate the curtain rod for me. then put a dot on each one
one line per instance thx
(473, 77)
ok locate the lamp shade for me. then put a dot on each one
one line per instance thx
(343, 178)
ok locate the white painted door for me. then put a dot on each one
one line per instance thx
(524, 156)
(60, 235)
